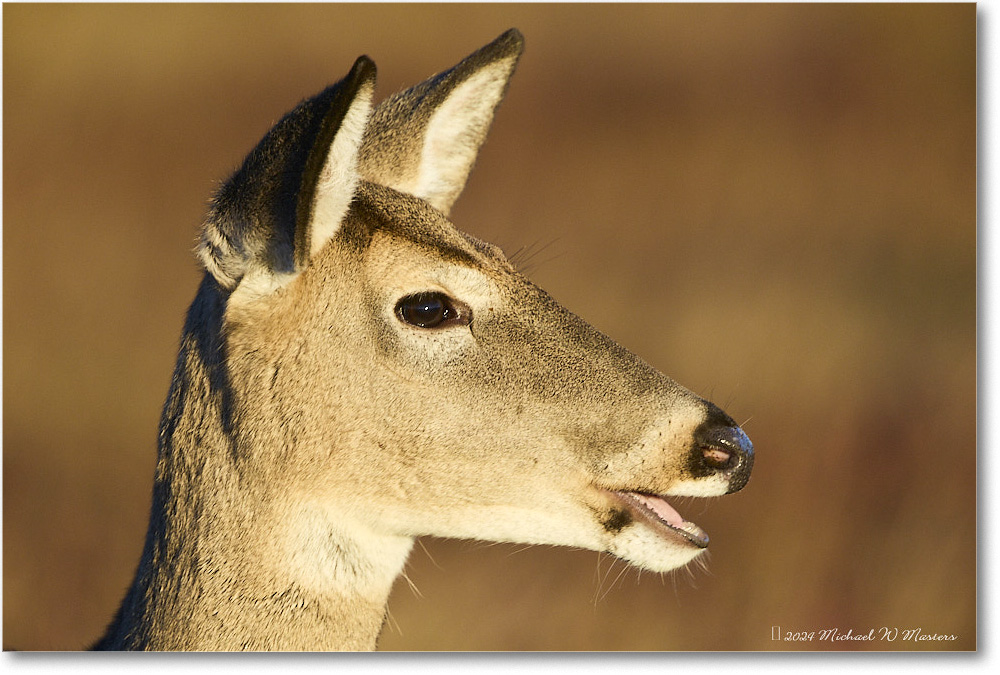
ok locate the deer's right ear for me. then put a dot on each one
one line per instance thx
(292, 191)
(424, 140)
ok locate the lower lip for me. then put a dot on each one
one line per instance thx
(694, 537)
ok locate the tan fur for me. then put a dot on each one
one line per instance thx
(311, 433)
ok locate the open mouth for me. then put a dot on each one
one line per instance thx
(657, 511)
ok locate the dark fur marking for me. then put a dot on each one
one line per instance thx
(617, 520)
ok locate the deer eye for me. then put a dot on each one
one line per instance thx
(430, 310)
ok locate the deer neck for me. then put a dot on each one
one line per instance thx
(231, 560)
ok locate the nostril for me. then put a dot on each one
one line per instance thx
(726, 439)
(716, 458)
(725, 448)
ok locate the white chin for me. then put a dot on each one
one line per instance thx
(641, 546)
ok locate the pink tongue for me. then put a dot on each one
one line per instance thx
(661, 508)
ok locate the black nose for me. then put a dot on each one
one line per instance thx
(722, 447)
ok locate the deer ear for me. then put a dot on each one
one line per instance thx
(424, 140)
(292, 191)
(331, 177)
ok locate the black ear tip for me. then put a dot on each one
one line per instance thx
(362, 71)
(511, 42)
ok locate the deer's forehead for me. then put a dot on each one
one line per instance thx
(399, 236)
(379, 210)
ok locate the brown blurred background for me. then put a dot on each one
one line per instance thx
(776, 205)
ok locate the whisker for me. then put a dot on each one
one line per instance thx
(413, 586)
(392, 622)
(523, 258)
(598, 595)
(429, 556)
(617, 579)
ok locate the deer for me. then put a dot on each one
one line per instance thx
(355, 372)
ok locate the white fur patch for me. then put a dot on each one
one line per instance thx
(327, 552)
(650, 550)
(258, 283)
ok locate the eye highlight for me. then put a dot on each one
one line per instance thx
(432, 310)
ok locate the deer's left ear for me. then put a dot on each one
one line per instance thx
(292, 191)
